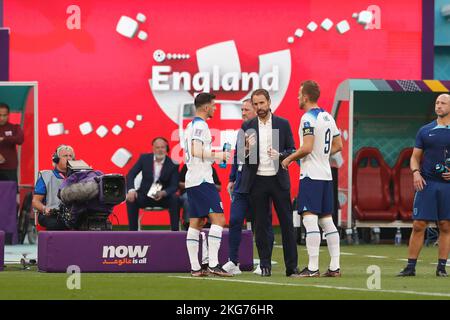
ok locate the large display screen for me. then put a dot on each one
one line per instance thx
(115, 74)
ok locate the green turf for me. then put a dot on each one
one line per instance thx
(30, 284)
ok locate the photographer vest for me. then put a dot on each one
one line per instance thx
(52, 184)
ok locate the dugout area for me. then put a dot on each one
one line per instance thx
(379, 120)
(22, 98)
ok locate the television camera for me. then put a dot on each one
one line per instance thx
(88, 197)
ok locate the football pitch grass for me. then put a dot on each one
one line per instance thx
(31, 284)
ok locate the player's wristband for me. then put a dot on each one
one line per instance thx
(416, 170)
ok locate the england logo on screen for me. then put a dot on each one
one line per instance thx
(220, 71)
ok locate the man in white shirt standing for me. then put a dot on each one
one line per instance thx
(204, 199)
(270, 140)
(319, 138)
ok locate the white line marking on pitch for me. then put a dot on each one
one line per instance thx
(376, 257)
(435, 263)
(281, 247)
(434, 294)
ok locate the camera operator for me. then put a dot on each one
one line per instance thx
(45, 198)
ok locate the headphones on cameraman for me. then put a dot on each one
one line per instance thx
(55, 156)
(163, 139)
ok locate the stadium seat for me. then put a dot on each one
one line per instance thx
(371, 179)
(25, 221)
(147, 209)
(137, 185)
(36, 223)
(403, 185)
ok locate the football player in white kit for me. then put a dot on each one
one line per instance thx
(319, 138)
(204, 199)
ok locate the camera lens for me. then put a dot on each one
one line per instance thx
(113, 189)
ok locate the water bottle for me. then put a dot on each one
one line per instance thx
(440, 168)
(226, 147)
(349, 233)
(398, 237)
(355, 236)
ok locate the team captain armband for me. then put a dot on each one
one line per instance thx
(308, 131)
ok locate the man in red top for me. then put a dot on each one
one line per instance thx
(10, 136)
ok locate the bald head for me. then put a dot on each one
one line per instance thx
(442, 105)
(445, 96)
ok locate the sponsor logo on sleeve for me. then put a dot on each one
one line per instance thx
(308, 131)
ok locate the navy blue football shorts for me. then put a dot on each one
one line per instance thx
(203, 200)
(433, 202)
(315, 196)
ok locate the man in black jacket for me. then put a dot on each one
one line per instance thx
(269, 140)
(157, 169)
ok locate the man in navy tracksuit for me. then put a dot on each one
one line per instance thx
(431, 172)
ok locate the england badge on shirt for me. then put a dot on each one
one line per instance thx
(198, 132)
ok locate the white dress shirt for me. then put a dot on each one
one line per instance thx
(266, 166)
(157, 168)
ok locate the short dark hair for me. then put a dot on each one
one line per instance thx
(203, 98)
(4, 106)
(311, 89)
(260, 92)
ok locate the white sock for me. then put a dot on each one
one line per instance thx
(205, 256)
(214, 239)
(333, 241)
(192, 244)
(312, 240)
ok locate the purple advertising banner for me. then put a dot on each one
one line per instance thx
(8, 209)
(144, 251)
(4, 54)
(1, 13)
(2, 249)
(427, 39)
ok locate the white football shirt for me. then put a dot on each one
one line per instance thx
(321, 125)
(199, 170)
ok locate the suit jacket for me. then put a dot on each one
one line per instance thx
(235, 173)
(168, 178)
(285, 147)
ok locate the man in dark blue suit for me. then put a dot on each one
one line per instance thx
(240, 199)
(156, 168)
(269, 140)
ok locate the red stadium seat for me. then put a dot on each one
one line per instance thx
(36, 223)
(403, 185)
(371, 179)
